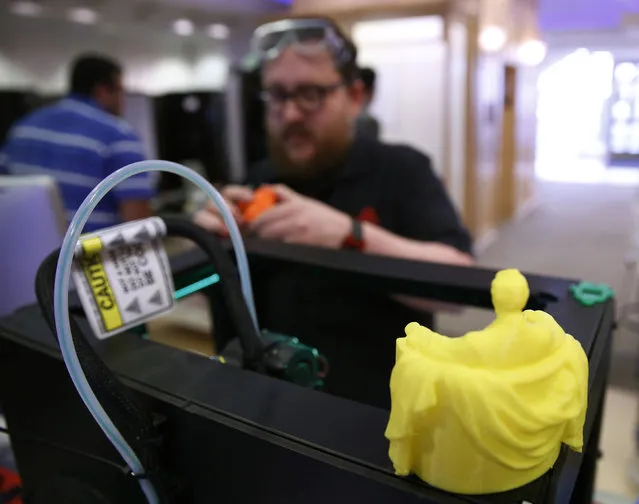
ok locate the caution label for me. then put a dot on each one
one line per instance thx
(101, 288)
(122, 279)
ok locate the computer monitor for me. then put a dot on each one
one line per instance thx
(190, 130)
(32, 225)
(14, 105)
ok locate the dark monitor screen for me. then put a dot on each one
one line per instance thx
(13, 106)
(190, 127)
(255, 145)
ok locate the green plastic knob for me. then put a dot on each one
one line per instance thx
(590, 294)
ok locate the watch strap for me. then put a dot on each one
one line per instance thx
(355, 239)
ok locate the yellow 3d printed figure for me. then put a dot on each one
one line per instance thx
(487, 412)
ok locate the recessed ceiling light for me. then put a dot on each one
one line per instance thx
(183, 27)
(532, 52)
(26, 8)
(83, 15)
(218, 31)
(493, 39)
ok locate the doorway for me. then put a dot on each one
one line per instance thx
(572, 115)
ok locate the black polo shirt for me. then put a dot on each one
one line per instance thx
(356, 329)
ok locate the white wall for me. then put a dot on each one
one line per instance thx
(573, 96)
(140, 114)
(409, 56)
(34, 53)
(458, 39)
(238, 47)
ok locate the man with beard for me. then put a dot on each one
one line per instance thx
(338, 190)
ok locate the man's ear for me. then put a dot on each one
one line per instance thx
(356, 96)
(103, 90)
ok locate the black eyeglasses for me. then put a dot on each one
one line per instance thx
(308, 99)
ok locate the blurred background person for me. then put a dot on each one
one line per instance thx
(80, 140)
(367, 124)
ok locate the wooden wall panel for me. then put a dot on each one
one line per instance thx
(469, 211)
(526, 130)
(483, 137)
(488, 118)
(517, 170)
(507, 199)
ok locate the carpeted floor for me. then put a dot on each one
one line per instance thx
(580, 231)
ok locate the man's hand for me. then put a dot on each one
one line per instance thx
(210, 217)
(301, 220)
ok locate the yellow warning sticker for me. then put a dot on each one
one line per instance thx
(123, 276)
(99, 283)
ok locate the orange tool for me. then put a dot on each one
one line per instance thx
(263, 199)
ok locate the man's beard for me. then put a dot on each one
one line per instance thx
(329, 153)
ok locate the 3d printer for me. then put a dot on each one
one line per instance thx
(239, 436)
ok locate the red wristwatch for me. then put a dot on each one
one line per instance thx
(355, 239)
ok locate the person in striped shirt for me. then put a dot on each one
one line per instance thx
(80, 140)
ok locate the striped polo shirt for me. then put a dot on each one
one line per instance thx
(78, 144)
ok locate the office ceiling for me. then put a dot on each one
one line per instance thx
(554, 15)
(160, 11)
(586, 15)
(257, 7)
(213, 4)
(593, 24)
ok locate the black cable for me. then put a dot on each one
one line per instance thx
(133, 420)
(73, 451)
(237, 311)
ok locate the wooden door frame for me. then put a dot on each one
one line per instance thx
(507, 201)
(469, 211)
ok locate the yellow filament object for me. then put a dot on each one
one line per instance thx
(487, 412)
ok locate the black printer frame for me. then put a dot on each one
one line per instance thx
(237, 436)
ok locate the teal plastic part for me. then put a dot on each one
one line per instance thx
(305, 365)
(590, 294)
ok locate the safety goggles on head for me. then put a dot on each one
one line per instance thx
(306, 36)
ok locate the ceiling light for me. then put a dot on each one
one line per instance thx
(625, 72)
(218, 31)
(493, 39)
(183, 27)
(26, 8)
(83, 15)
(532, 52)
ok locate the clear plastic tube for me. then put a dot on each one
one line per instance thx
(61, 298)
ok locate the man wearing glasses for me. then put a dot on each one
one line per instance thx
(338, 190)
